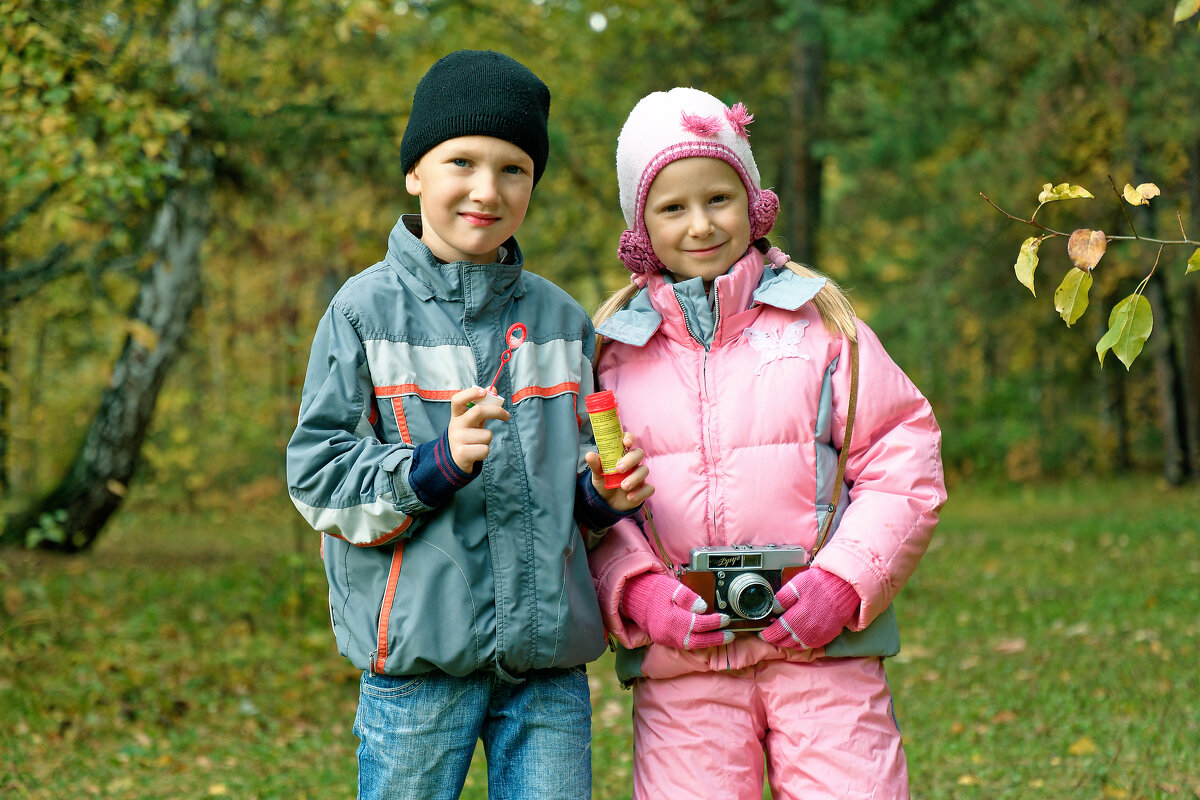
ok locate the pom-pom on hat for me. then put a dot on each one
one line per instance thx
(665, 127)
(478, 93)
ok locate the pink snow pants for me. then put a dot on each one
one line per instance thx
(826, 728)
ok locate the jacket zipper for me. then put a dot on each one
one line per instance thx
(708, 403)
(687, 323)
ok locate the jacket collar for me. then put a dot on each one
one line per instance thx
(427, 277)
(780, 288)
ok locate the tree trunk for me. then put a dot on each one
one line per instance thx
(5, 379)
(1191, 322)
(72, 515)
(1168, 363)
(1176, 461)
(806, 109)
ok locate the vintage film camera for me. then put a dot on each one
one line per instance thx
(741, 580)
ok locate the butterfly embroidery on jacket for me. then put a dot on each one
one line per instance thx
(773, 346)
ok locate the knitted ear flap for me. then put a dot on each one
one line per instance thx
(762, 213)
(637, 254)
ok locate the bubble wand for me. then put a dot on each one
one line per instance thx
(514, 337)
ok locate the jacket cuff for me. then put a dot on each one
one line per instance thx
(434, 476)
(591, 510)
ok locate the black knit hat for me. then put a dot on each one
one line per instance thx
(478, 93)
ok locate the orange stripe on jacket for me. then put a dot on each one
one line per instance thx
(385, 613)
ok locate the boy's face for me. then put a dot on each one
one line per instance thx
(698, 217)
(474, 193)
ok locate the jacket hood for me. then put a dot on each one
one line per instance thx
(428, 277)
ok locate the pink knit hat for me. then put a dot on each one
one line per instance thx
(665, 127)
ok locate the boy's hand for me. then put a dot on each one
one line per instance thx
(633, 490)
(469, 439)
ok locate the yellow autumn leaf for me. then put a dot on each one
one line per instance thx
(1193, 262)
(1071, 296)
(142, 333)
(1185, 9)
(1083, 747)
(1027, 261)
(1064, 191)
(1140, 196)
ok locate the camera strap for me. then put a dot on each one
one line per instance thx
(662, 551)
(839, 479)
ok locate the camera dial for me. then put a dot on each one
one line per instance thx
(751, 596)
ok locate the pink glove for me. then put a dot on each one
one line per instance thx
(818, 604)
(672, 614)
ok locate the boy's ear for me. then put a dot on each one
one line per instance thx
(412, 181)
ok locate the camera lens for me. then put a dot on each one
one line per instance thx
(750, 596)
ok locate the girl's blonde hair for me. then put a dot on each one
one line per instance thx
(832, 304)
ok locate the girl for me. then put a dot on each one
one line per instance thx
(756, 396)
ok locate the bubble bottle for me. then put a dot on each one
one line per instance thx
(606, 425)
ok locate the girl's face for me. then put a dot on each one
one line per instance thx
(698, 218)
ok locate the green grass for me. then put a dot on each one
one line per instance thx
(1050, 651)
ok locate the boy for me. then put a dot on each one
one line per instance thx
(453, 547)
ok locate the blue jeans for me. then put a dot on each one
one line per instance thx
(417, 734)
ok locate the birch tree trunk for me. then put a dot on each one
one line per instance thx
(72, 515)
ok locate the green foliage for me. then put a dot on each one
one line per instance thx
(1046, 637)
(305, 117)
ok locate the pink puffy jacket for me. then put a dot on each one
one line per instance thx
(742, 442)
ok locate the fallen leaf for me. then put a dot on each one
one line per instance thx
(1083, 747)
(1009, 646)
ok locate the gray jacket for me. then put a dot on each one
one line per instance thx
(496, 579)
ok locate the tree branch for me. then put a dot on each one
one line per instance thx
(1113, 238)
(13, 222)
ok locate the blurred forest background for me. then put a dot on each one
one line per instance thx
(185, 183)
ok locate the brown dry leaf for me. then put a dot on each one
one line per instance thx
(1086, 248)
(1007, 715)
